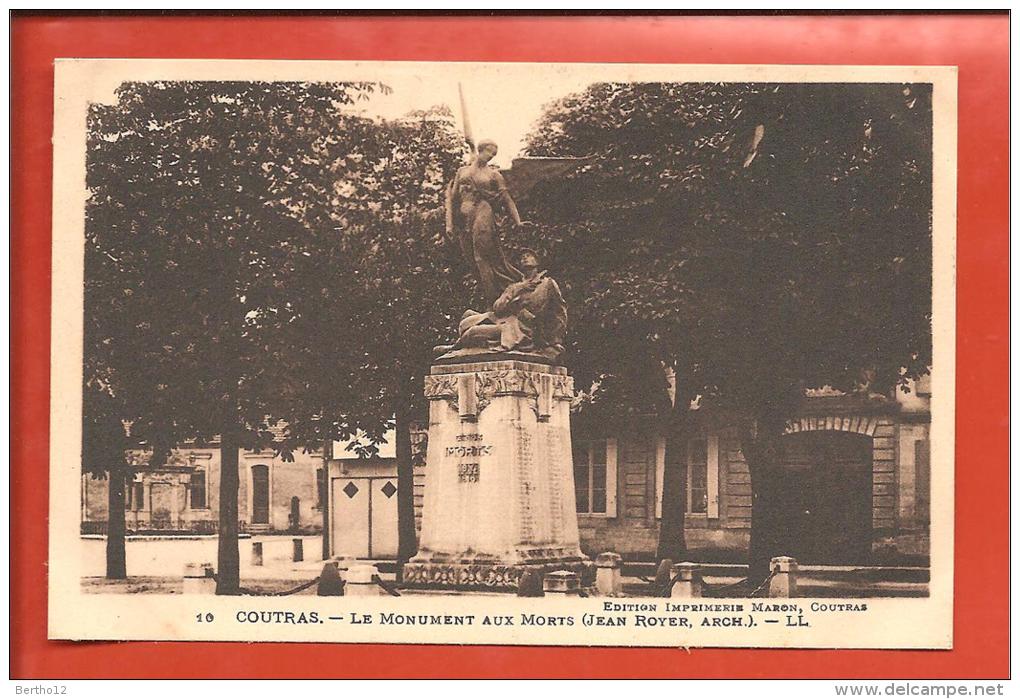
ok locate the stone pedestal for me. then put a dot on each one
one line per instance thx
(361, 581)
(499, 485)
(561, 582)
(199, 579)
(784, 577)
(687, 580)
(608, 579)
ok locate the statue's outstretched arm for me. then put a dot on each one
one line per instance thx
(508, 201)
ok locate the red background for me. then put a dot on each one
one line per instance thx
(979, 45)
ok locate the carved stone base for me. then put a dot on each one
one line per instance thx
(499, 485)
(485, 576)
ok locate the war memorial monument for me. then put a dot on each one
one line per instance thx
(499, 492)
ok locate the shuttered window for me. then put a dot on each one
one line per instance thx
(320, 488)
(135, 494)
(591, 478)
(697, 476)
(196, 490)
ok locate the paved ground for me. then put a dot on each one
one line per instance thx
(150, 558)
(156, 566)
(729, 580)
(173, 586)
(815, 585)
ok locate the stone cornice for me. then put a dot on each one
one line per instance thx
(470, 392)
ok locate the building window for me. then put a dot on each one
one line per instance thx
(320, 488)
(590, 477)
(196, 490)
(698, 470)
(697, 476)
(922, 479)
(135, 494)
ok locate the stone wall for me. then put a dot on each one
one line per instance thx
(734, 486)
(883, 469)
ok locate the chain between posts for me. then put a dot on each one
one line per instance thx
(391, 590)
(282, 593)
(668, 589)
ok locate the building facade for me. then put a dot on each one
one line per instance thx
(855, 484)
(183, 495)
(855, 488)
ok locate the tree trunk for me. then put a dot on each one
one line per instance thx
(407, 535)
(762, 452)
(116, 558)
(228, 563)
(326, 504)
(672, 544)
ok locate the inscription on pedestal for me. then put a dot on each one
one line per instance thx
(525, 477)
(553, 444)
(469, 471)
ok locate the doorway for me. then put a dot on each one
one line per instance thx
(824, 495)
(260, 495)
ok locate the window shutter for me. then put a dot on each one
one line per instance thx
(660, 474)
(611, 449)
(713, 476)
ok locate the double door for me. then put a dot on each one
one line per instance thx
(364, 517)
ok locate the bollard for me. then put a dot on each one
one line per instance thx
(199, 579)
(687, 577)
(529, 584)
(662, 578)
(330, 582)
(299, 550)
(561, 583)
(608, 581)
(361, 582)
(256, 553)
(784, 577)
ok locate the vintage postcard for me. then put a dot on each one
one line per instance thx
(503, 353)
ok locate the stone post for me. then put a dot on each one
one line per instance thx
(361, 581)
(530, 584)
(330, 582)
(608, 580)
(198, 579)
(561, 582)
(299, 550)
(784, 577)
(687, 577)
(256, 553)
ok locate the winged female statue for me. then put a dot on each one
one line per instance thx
(472, 199)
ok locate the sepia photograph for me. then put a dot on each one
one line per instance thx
(560, 354)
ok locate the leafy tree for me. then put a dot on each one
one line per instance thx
(757, 239)
(201, 194)
(381, 293)
(280, 260)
